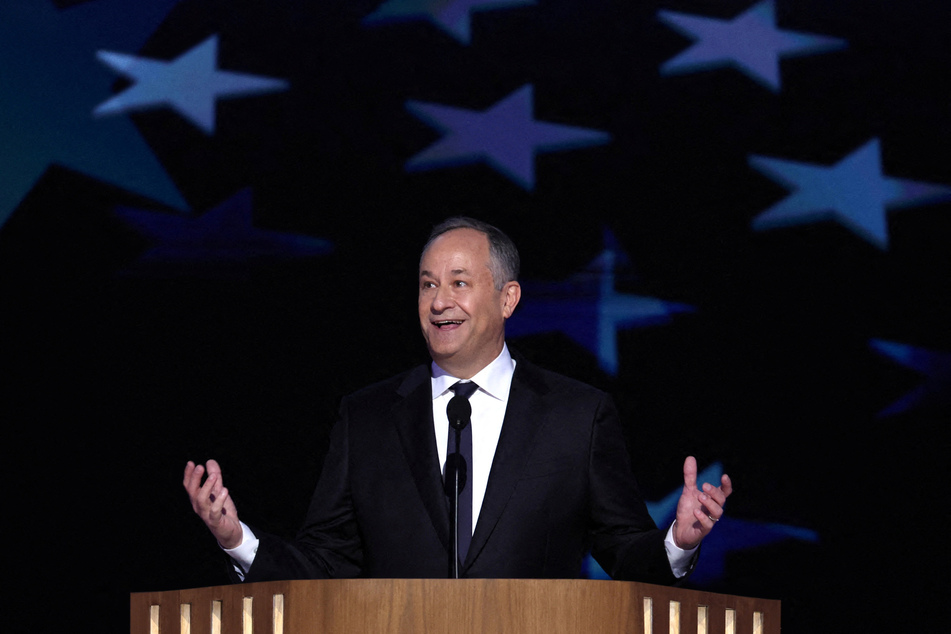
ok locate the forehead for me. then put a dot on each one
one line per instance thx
(460, 248)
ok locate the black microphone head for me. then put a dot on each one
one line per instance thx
(455, 463)
(459, 412)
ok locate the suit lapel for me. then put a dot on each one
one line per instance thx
(414, 423)
(519, 429)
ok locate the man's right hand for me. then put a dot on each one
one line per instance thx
(212, 503)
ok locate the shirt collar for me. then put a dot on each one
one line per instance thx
(494, 379)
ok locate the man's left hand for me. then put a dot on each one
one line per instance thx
(698, 510)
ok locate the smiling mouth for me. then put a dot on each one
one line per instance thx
(447, 322)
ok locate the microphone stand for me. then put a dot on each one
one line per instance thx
(454, 473)
(459, 413)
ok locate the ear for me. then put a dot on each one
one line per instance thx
(511, 293)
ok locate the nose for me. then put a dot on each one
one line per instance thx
(442, 299)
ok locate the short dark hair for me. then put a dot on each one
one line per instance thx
(503, 256)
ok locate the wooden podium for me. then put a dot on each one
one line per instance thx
(477, 606)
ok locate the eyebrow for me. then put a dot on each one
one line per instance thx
(425, 273)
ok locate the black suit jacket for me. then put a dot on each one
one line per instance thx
(560, 484)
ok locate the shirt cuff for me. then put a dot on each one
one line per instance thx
(243, 554)
(681, 561)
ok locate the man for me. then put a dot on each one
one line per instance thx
(549, 476)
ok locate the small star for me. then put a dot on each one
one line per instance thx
(190, 84)
(588, 309)
(506, 136)
(223, 235)
(750, 42)
(935, 366)
(853, 192)
(453, 16)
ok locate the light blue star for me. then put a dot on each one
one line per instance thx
(189, 85)
(453, 16)
(731, 534)
(506, 136)
(750, 42)
(224, 235)
(51, 81)
(853, 192)
(588, 309)
(935, 366)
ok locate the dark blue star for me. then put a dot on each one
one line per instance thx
(749, 42)
(588, 309)
(935, 366)
(506, 136)
(853, 192)
(453, 16)
(52, 82)
(190, 84)
(731, 534)
(224, 235)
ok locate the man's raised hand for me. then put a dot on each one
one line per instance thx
(212, 502)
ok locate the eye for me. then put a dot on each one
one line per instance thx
(427, 284)
(461, 283)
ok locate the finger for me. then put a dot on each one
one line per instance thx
(706, 521)
(714, 492)
(726, 485)
(690, 472)
(206, 494)
(192, 476)
(213, 467)
(711, 509)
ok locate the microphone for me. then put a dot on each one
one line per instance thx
(456, 470)
(459, 412)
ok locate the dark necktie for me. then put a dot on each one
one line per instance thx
(464, 448)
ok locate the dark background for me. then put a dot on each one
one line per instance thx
(118, 368)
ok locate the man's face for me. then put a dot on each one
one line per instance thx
(461, 313)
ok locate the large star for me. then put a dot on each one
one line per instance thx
(506, 136)
(853, 192)
(731, 534)
(934, 366)
(51, 82)
(224, 235)
(749, 42)
(453, 16)
(190, 84)
(588, 309)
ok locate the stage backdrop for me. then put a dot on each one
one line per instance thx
(733, 216)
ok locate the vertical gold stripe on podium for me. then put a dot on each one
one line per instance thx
(759, 624)
(648, 616)
(674, 617)
(277, 620)
(247, 618)
(216, 617)
(730, 621)
(702, 625)
(153, 619)
(185, 612)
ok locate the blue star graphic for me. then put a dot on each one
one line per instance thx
(588, 309)
(190, 84)
(731, 534)
(453, 16)
(935, 366)
(750, 42)
(506, 136)
(853, 192)
(51, 82)
(224, 235)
